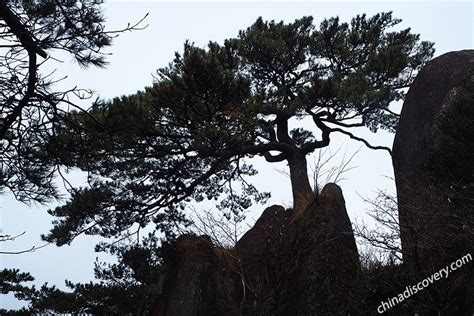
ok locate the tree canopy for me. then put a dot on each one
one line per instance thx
(187, 137)
(130, 286)
(32, 35)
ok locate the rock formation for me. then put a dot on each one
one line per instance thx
(260, 254)
(432, 159)
(200, 280)
(287, 264)
(323, 262)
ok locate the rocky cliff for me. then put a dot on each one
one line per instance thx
(433, 165)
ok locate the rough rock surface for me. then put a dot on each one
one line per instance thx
(325, 258)
(287, 264)
(260, 252)
(433, 214)
(201, 280)
(300, 264)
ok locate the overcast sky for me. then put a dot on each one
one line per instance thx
(137, 55)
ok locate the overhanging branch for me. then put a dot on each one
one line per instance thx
(361, 140)
(15, 25)
(326, 130)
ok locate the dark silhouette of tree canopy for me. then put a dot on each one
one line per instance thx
(31, 34)
(186, 137)
(130, 286)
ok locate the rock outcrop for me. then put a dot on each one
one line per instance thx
(432, 159)
(200, 280)
(324, 265)
(260, 255)
(287, 264)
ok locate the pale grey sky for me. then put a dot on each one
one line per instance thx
(137, 55)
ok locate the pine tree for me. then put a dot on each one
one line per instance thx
(187, 137)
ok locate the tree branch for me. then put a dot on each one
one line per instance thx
(361, 140)
(17, 27)
(282, 130)
(275, 158)
(32, 48)
(325, 130)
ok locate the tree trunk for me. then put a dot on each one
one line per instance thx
(302, 192)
